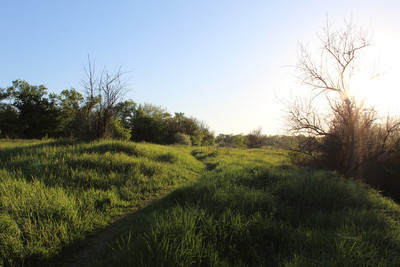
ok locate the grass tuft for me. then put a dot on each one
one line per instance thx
(54, 193)
(253, 209)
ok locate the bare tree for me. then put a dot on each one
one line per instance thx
(340, 137)
(255, 138)
(103, 91)
(89, 84)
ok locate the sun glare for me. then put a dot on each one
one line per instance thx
(379, 92)
(363, 88)
(383, 90)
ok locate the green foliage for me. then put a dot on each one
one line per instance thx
(184, 125)
(55, 193)
(252, 209)
(255, 138)
(154, 124)
(149, 124)
(208, 137)
(182, 139)
(71, 119)
(125, 111)
(31, 113)
(240, 141)
(10, 240)
(118, 131)
(10, 126)
(230, 140)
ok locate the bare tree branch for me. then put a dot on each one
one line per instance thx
(349, 134)
(103, 91)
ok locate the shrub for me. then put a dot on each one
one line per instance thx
(118, 131)
(182, 139)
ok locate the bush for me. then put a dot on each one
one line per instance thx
(182, 139)
(118, 131)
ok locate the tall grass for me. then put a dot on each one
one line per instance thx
(53, 193)
(252, 209)
(247, 207)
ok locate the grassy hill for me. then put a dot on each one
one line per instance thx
(252, 209)
(225, 207)
(53, 193)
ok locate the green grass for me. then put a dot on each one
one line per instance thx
(228, 207)
(54, 193)
(252, 209)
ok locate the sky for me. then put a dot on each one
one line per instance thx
(225, 62)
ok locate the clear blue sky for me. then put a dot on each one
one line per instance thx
(221, 61)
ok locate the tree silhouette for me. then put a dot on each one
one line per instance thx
(346, 136)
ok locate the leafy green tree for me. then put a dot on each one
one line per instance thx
(125, 112)
(10, 126)
(182, 124)
(149, 124)
(71, 118)
(225, 140)
(240, 141)
(152, 123)
(118, 131)
(208, 137)
(36, 112)
(230, 140)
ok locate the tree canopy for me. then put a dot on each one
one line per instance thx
(29, 111)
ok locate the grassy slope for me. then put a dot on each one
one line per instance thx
(53, 193)
(249, 208)
(252, 209)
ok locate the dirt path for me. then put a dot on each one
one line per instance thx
(81, 254)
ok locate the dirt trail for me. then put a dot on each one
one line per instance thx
(81, 254)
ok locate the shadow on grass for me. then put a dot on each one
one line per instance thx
(269, 217)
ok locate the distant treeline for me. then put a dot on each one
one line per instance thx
(255, 139)
(29, 111)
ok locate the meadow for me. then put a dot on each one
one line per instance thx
(252, 208)
(242, 207)
(54, 193)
